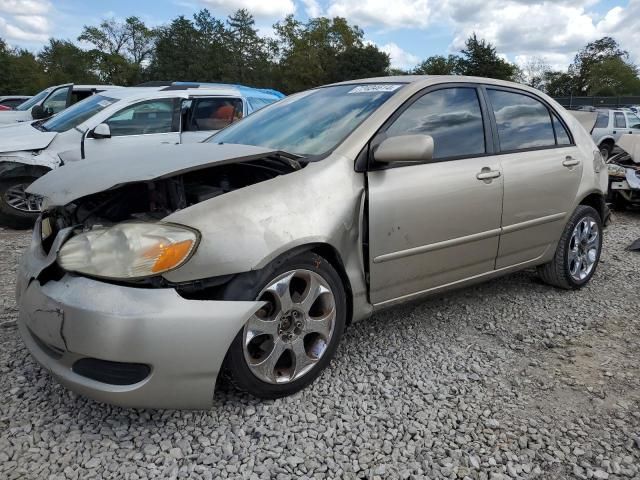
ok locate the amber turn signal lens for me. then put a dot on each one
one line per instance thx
(171, 255)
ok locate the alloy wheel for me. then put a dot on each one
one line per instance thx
(17, 197)
(583, 248)
(287, 337)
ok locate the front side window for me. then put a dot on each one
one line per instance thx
(619, 120)
(78, 113)
(148, 117)
(523, 122)
(211, 113)
(57, 101)
(451, 116)
(312, 122)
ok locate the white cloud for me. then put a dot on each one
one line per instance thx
(25, 7)
(259, 8)
(399, 58)
(25, 21)
(312, 8)
(385, 13)
(553, 29)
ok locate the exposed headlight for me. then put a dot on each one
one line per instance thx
(128, 250)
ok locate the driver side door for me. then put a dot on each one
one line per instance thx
(436, 223)
(149, 122)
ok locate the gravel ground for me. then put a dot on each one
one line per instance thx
(510, 379)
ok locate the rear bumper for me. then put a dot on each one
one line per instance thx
(183, 342)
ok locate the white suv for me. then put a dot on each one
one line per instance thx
(610, 125)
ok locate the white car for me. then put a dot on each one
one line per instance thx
(50, 101)
(114, 120)
(610, 125)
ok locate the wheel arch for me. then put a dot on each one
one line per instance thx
(15, 169)
(597, 201)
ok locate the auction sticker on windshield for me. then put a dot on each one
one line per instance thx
(383, 87)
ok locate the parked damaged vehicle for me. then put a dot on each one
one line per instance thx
(153, 270)
(50, 101)
(624, 173)
(610, 125)
(122, 118)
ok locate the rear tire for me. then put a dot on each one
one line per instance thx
(578, 251)
(605, 150)
(286, 344)
(11, 214)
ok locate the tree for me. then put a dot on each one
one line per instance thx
(592, 54)
(438, 65)
(250, 54)
(534, 72)
(479, 58)
(20, 72)
(361, 62)
(324, 50)
(613, 76)
(120, 49)
(559, 84)
(64, 62)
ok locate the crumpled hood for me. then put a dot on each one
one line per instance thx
(8, 117)
(128, 165)
(22, 136)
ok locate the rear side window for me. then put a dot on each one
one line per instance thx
(211, 113)
(562, 136)
(602, 120)
(451, 116)
(523, 122)
(618, 120)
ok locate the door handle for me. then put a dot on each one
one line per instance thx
(488, 174)
(570, 162)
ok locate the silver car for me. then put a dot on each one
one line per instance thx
(153, 272)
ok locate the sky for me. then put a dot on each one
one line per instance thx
(409, 30)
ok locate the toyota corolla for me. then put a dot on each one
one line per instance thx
(151, 273)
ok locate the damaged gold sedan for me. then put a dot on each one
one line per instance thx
(153, 270)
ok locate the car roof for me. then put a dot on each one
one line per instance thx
(434, 79)
(167, 91)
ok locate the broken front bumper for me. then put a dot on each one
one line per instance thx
(96, 338)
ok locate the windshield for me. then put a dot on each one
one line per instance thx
(311, 123)
(78, 113)
(33, 100)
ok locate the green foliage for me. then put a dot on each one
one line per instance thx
(480, 59)
(324, 50)
(300, 56)
(64, 62)
(438, 65)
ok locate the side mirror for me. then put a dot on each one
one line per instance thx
(405, 148)
(38, 112)
(101, 131)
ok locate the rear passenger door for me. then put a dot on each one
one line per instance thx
(542, 169)
(149, 122)
(435, 223)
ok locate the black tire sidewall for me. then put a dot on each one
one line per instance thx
(9, 216)
(235, 363)
(582, 212)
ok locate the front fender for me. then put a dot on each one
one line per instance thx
(246, 229)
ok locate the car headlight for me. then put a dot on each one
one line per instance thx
(128, 250)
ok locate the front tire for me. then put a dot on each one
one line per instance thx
(287, 343)
(18, 210)
(578, 251)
